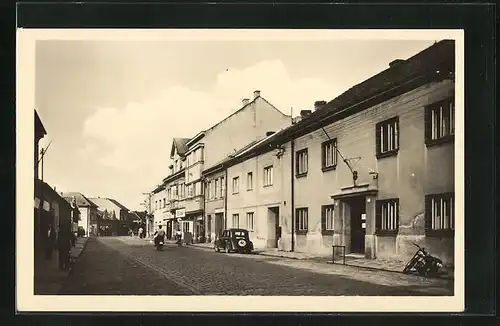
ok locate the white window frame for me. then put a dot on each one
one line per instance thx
(237, 217)
(302, 216)
(388, 130)
(268, 176)
(250, 181)
(251, 221)
(329, 154)
(301, 165)
(236, 185)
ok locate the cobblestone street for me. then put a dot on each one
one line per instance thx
(125, 265)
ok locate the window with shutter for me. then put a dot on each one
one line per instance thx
(440, 214)
(387, 216)
(440, 122)
(387, 137)
(327, 219)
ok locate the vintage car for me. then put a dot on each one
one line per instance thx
(235, 240)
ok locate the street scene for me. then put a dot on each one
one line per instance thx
(238, 168)
(131, 266)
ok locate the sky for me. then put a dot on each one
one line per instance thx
(111, 108)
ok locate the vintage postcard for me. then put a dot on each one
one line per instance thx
(240, 170)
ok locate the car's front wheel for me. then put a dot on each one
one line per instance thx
(227, 248)
(216, 249)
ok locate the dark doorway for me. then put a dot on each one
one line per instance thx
(209, 228)
(169, 230)
(358, 229)
(274, 226)
(219, 224)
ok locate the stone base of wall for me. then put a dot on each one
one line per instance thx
(397, 248)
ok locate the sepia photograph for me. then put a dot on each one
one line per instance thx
(270, 169)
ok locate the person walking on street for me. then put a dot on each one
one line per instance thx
(178, 235)
(51, 239)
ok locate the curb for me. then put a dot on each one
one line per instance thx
(330, 262)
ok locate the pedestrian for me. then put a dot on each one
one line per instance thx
(64, 246)
(178, 235)
(140, 232)
(50, 242)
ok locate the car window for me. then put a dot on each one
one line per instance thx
(239, 233)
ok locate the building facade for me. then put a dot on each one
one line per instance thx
(87, 208)
(209, 148)
(373, 169)
(117, 211)
(257, 196)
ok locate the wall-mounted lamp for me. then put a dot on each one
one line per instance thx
(374, 174)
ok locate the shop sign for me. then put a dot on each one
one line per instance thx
(180, 213)
(37, 202)
(46, 205)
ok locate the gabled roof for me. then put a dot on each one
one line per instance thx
(44, 190)
(434, 63)
(102, 201)
(181, 145)
(81, 200)
(107, 217)
(39, 128)
(203, 132)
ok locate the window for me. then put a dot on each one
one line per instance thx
(236, 185)
(327, 219)
(329, 155)
(387, 137)
(190, 190)
(164, 202)
(182, 190)
(249, 181)
(301, 220)
(216, 192)
(387, 216)
(222, 187)
(236, 220)
(440, 214)
(209, 190)
(268, 176)
(301, 163)
(250, 224)
(440, 121)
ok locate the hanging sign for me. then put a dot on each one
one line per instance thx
(180, 213)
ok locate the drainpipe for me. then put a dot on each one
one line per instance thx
(225, 197)
(293, 193)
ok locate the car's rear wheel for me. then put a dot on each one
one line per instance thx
(216, 249)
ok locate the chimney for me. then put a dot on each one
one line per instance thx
(319, 105)
(269, 133)
(395, 62)
(245, 101)
(256, 94)
(304, 113)
(55, 189)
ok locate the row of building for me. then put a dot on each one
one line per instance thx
(72, 211)
(371, 170)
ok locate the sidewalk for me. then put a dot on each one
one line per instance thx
(49, 279)
(354, 261)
